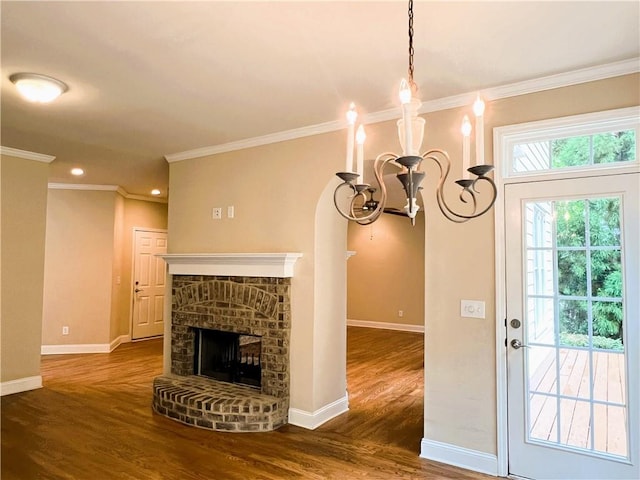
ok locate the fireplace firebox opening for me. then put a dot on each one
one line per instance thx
(228, 357)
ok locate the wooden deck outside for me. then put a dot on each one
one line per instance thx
(577, 423)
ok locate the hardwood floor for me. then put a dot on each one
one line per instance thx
(93, 420)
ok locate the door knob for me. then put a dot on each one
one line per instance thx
(515, 343)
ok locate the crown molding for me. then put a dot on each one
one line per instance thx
(84, 186)
(576, 77)
(105, 188)
(143, 198)
(257, 141)
(38, 157)
(584, 75)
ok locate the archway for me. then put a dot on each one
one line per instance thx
(387, 276)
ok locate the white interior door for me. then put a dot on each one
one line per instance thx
(573, 289)
(149, 284)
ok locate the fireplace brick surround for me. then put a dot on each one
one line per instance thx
(240, 304)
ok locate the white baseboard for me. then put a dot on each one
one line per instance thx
(386, 326)
(312, 420)
(84, 348)
(81, 348)
(119, 341)
(20, 385)
(460, 457)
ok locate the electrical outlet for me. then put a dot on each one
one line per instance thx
(472, 308)
(400, 313)
(216, 214)
(65, 330)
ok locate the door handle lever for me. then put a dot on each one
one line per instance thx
(138, 290)
(517, 344)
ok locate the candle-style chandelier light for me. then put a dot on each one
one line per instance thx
(354, 199)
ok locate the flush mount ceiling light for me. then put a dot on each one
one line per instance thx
(354, 199)
(38, 88)
(155, 191)
(77, 171)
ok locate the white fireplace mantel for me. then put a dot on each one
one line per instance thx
(232, 264)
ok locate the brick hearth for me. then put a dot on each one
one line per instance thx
(216, 405)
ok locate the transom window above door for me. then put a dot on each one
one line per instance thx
(581, 145)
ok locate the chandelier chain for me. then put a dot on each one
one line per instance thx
(412, 84)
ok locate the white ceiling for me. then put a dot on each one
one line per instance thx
(147, 79)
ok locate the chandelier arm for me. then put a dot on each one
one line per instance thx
(380, 163)
(472, 193)
(352, 215)
(335, 198)
(441, 158)
(352, 206)
(444, 173)
(460, 218)
(493, 188)
(373, 216)
(369, 221)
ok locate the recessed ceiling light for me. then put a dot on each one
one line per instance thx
(77, 171)
(155, 191)
(38, 88)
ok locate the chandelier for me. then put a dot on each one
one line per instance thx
(354, 199)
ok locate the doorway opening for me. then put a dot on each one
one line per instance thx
(385, 312)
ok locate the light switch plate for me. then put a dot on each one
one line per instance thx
(472, 308)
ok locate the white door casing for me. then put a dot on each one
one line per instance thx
(546, 410)
(149, 281)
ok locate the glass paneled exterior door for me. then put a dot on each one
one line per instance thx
(572, 280)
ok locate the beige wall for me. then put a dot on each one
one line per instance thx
(79, 261)
(460, 369)
(275, 190)
(88, 264)
(118, 295)
(387, 273)
(23, 218)
(330, 278)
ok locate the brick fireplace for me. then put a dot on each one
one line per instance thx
(207, 295)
